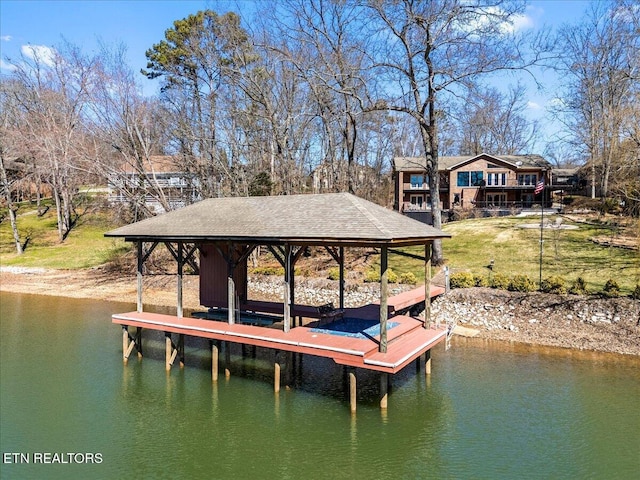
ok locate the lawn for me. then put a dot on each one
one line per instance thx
(84, 247)
(569, 253)
(475, 243)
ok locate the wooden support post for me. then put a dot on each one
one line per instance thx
(129, 343)
(384, 293)
(287, 290)
(341, 270)
(231, 299)
(427, 285)
(214, 361)
(180, 349)
(139, 276)
(352, 391)
(384, 390)
(227, 360)
(276, 376)
(168, 348)
(138, 341)
(180, 275)
(125, 344)
(427, 362)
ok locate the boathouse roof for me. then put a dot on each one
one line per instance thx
(320, 219)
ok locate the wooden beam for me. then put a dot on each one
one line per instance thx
(384, 295)
(427, 362)
(406, 254)
(384, 390)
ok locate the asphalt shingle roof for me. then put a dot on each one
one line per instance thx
(332, 218)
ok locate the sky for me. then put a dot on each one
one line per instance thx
(141, 23)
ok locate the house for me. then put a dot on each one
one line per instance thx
(160, 180)
(480, 181)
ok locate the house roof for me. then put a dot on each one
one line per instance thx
(320, 219)
(450, 163)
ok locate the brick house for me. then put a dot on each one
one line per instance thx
(480, 181)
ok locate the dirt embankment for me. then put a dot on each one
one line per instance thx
(579, 322)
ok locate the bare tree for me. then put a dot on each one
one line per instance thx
(55, 86)
(493, 122)
(599, 61)
(427, 51)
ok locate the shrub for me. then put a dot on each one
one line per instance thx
(392, 276)
(334, 273)
(408, 278)
(268, 270)
(611, 289)
(461, 280)
(500, 280)
(374, 276)
(554, 284)
(578, 287)
(480, 281)
(521, 283)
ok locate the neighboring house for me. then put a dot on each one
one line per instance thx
(480, 181)
(161, 177)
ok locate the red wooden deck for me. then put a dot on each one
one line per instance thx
(405, 342)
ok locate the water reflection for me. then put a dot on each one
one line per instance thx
(488, 410)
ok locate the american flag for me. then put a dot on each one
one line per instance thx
(539, 187)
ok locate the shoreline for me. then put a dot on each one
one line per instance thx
(583, 323)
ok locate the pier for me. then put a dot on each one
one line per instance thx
(215, 239)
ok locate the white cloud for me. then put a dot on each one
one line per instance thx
(6, 66)
(40, 53)
(533, 105)
(6, 38)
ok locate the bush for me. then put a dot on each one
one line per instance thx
(334, 273)
(611, 289)
(500, 280)
(374, 276)
(408, 278)
(480, 281)
(554, 284)
(521, 283)
(461, 280)
(578, 287)
(268, 270)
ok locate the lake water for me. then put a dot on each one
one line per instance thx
(488, 411)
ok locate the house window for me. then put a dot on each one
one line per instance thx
(527, 179)
(496, 199)
(417, 181)
(417, 201)
(496, 179)
(470, 179)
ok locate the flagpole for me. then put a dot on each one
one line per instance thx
(540, 187)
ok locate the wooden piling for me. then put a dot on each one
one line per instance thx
(125, 344)
(276, 377)
(384, 390)
(427, 362)
(214, 362)
(352, 391)
(167, 351)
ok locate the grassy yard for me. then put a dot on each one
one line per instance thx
(84, 247)
(569, 253)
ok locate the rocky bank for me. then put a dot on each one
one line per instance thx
(571, 321)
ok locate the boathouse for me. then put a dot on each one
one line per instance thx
(215, 238)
